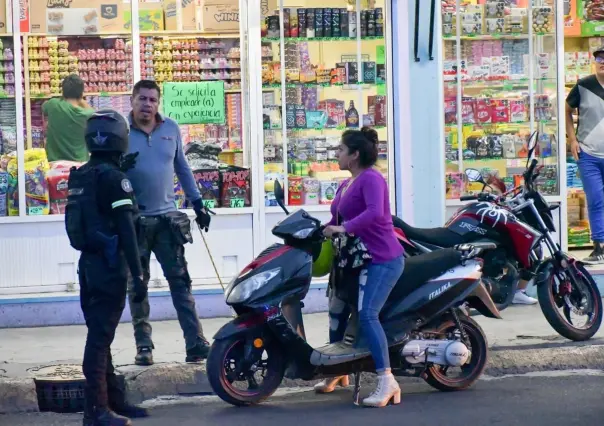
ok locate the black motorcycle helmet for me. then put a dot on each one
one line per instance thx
(107, 131)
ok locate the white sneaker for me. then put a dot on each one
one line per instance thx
(329, 385)
(521, 298)
(387, 389)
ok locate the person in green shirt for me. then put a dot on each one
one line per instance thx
(64, 122)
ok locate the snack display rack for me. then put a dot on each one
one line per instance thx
(500, 85)
(328, 74)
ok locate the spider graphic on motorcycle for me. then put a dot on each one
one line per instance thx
(494, 213)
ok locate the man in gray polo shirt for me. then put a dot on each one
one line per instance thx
(587, 147)
(156, 142)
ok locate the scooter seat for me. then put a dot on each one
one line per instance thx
(337, 353)
(420, 269)
(441, 237)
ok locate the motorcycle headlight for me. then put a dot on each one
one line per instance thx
(244, 290)
(303, 233)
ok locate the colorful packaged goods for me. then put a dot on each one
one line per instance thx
(57, 178)
(4, 179)
(328, 192)
(208, 183)
(235, 191)
(295, 190)
(180, 199)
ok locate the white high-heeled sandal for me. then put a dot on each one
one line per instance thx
(329, 385)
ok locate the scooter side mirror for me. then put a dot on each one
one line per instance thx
(279, 195)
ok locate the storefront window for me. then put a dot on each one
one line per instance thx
(77, 58)
(203, 55)
(323, 72)
(500, 86)
(9, 164)
(194, 58)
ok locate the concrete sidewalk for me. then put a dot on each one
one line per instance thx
(523, 341)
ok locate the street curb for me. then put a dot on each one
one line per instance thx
(18, 396)
(144, 383)
(524, 360)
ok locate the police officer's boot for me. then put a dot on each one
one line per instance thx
(199, 351)
(117, 400)
(102, 416)
(144, 356)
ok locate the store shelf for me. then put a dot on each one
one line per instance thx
(102, 94)
(555, 199)
(318, 39)
(184, 34)
(111, 34)
(61, 217)
(350, 86)
(291, 209)
(512, 36)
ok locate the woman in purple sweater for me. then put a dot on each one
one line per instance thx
(361, 209)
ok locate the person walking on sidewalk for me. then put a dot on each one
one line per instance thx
(587, 148)
(99, 222)
(156, 142)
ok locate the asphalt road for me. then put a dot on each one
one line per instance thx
(527, 400)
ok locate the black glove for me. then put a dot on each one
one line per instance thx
(139, 289)
(128, 162)
(202, 216)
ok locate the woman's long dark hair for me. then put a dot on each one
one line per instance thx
(365, 141)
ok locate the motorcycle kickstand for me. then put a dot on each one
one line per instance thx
(357, 389)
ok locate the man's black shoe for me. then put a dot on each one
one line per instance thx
(117, 400)
(198, 352)
(105, 417)
(144, 356)
(131, 411)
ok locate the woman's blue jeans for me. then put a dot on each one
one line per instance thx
(592, 175)
(375, 285)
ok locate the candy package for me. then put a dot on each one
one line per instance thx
(454, 185)
(208, 183)
(179, 194)
(328, 192)
(235, 190)
(57, 178)
(37, 200)
(4, 178)
(294, 190)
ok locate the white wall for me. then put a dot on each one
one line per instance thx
(37, 257)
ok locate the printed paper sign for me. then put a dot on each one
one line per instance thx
(199, 102)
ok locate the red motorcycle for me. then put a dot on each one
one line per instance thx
(521, 224)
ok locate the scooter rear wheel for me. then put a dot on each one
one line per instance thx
(437, 375)
(223, 365)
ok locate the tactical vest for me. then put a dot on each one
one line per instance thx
(88, 229)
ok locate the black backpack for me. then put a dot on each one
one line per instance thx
(86, 227)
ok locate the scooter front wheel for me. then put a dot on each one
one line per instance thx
(235, 379)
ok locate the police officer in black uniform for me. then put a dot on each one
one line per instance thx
(100, 220)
